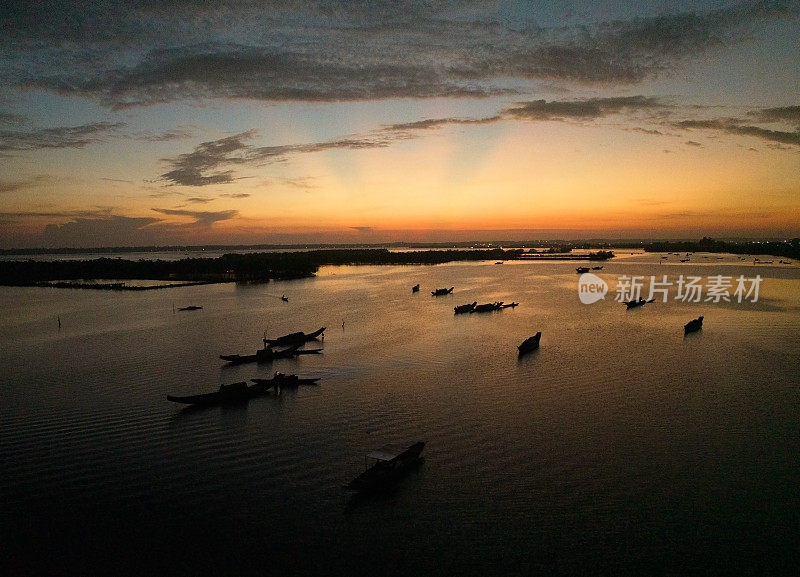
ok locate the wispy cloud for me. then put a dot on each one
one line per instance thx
(166, 136)
(26, 184)
(59, 137)
(201, 218)
(202, 166)
(582, 109)
(734, 126)
(236, 195)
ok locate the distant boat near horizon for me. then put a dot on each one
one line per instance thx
(190, 308)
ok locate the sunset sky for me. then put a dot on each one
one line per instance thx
(242, 122)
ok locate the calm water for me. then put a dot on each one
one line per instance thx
(620, 447)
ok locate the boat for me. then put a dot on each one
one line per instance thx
(530, 344)
(597, 268)
(637, 302)
(685, 260)
(693, 325)
(499, 262)
(390, 462)
(465, 308)
(442, 291)
(268, 354)
(487, 307)
(240, 392)
(510, 305)
(281, 381)
(297, 338)
(582, 269)
(415, 288)
(190, 308)
(284, 298)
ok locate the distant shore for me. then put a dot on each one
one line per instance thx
(111, 273)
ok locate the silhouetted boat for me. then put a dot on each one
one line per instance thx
(240, 392)
(582, 269)
(499, 262)
(415, 288)
(268, 354)
(465, 308)
(510, 305)
(390, 463)
(297, 338)
(487, 307)
(530, 344)
(190, 308)
(637, 302)
(285, 299)
(442, 291)
(693, 325)
(280, 381)
(684, 260)
(597, 268)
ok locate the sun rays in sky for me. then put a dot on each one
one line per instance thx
(249, 122)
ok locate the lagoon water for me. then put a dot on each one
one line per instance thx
(620, 447)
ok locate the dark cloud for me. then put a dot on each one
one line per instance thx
(734, 126)
(103, 231)
(693, 143)
(582, 109)
(328, 50)
(790, 114)
(236, 195)
(202, 218)
(60, 137)
(438, 122)
(201, 166)
(199, 200)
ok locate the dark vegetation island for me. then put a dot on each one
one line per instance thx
(266, 266)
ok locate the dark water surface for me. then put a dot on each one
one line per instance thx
(620, 447)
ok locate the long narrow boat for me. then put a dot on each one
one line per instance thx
(390, 463)
(693, 325)
(240, 392)
(190, 308)
(633, 303)
(297, 338)
(442, 291)
(487, 307)
(281, 381)
(268, 354)
(467, 308)
(530, 344)
(233, 393)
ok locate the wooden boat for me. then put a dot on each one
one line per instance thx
(415, 288)
(240, 392)
(530, 344)
(597, 268)
(233, 393)
(390, 463)
(637, 302)
(582, 269)
(284, 298)
(510, 305)
(281, 381)
(442, 291)
(268, 354)
(190, 308)
(460, 309)
(487, 307)
(297, 338)
(693, 325)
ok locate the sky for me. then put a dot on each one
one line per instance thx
(162, 122)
